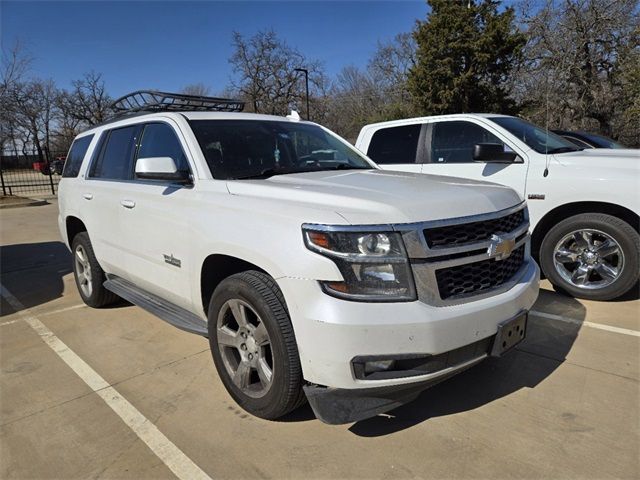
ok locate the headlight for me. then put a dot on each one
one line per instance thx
(374, 265)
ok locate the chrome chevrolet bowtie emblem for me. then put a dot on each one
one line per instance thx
(500, 247)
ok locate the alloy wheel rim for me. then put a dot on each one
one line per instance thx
(245, 347)
(588, 259)
(83, 271)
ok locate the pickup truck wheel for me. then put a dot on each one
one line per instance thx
(253, 345)
(88, 274)
(593, 256)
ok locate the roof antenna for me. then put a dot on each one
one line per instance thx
(546, 127)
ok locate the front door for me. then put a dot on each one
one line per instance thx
(449, 151)
(155, 222)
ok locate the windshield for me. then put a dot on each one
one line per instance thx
(243, 149)
(602, 142)
(541, 140)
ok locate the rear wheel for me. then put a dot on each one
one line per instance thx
(593, 256)
(88, 274)
(253, 345)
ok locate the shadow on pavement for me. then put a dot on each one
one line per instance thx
(33, 272)
(545, 348)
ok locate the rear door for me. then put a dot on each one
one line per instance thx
(449, 147)
(100, 194)
(397, 148)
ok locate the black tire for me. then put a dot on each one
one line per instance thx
(98, 296)
(261, 293)
(620, 231)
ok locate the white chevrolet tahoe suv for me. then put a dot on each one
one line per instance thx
(584, 204)
(312, 272)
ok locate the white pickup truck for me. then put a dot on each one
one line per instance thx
(584, 204)
(312, 272)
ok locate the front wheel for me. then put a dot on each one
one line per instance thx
(88, 274)
(253, 345)
(593, 256)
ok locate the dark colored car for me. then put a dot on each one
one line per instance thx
(588, 140)
(54, 167)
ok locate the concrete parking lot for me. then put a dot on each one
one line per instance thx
(565, 404)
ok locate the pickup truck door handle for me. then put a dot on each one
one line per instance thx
(127, 203)
(87, 196)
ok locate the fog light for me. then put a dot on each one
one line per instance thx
(378, 366)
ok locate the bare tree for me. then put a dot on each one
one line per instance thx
(265, 75)
(88, 102)
(199, 89)
(34, 114)
(13, 69)
(377, 93)
(578, 55)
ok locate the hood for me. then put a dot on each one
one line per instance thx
(380, 196)
(602, 157)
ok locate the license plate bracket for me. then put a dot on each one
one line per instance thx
(510, 333)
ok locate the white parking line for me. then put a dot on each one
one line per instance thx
(599, 326)
(9, 322)
(61, 310)
(174, 458)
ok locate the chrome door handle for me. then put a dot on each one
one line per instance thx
(87, 196)
(127, 203)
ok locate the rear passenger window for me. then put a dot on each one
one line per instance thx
(76, 155)
(159, 140)
(395, 144)
(114, 162)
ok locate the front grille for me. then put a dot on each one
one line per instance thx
(453, 235)
(474, 278)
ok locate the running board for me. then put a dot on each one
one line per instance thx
(170, 313)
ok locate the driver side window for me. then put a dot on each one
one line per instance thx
(159, 140)
(453, 142)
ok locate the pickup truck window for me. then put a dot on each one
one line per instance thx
(240, 149)
(114, 162)
(395, 144)
(76, 155)
(159, 140)
(453, 142)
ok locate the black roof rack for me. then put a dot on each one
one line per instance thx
(154, 101)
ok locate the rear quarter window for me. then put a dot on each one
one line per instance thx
(76, 156)
(395, 144)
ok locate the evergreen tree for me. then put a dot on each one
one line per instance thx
(466, 52)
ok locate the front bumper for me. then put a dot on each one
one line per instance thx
(331, 332)
(337, 406)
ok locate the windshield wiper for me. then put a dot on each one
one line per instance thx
(270, 172)
(266, 173)
(564, 150)
(344, 166)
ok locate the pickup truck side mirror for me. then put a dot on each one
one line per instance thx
(160, 168)
(492, 153)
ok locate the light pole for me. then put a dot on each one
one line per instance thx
(306, 81)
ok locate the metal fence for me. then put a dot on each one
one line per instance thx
(26, 175)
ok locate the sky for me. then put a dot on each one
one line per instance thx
(170, 44)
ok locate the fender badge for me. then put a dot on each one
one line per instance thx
(500, 247)
(171, 260)
(536, 196)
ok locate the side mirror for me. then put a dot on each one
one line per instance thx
(492, 153)
(160, 168)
